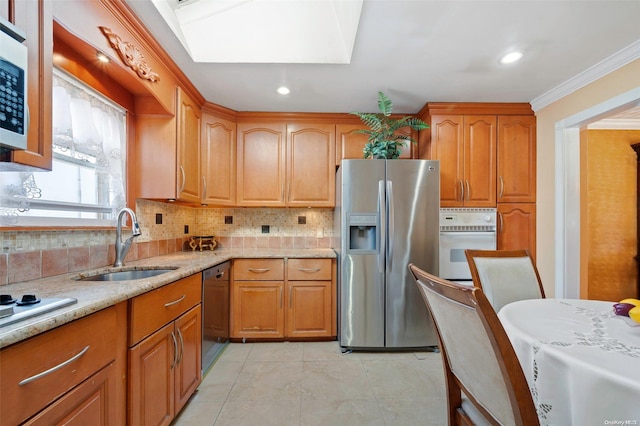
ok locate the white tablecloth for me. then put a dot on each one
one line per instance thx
(582, 363)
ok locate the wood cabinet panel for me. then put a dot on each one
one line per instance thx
(87, 404)
(257, 309)
(308, 311)
(35, 18)
(151, 379)
(261, 164)
(76, 342)
(517, 227)
(188, 375)
(308, 269)
(516, 162)
(165, 370)
(218, 161)
(466, 149)
(310, 165)
(350, 144)
(151, 310)
(188, 121)
(258, 269)
(447, 145)
(480, 161)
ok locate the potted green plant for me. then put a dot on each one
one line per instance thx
(383, 141)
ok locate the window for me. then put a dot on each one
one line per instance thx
(87, 181)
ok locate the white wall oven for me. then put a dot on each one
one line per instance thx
(461, 229)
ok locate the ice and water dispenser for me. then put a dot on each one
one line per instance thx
(363, 232)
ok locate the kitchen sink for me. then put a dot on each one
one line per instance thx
(132, 274)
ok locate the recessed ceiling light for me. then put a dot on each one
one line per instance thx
(510, 58)
(102, 57)
(283, 90)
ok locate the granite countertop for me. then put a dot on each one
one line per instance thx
(93, 296)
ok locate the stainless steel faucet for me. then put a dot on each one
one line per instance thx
(123, 248)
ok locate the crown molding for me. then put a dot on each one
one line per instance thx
(599, 70)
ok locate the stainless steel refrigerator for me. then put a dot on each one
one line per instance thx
(386, 216)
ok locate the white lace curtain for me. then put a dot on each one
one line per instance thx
(89, 129)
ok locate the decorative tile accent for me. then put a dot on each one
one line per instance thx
(56, 252)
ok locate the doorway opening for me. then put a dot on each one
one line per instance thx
(567, 189)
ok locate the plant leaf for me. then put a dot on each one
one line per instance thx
(384, 104)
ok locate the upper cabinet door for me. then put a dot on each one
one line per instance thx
(311, 171)
(218, 161)
(261, 164)
(349, 143)
(188, 146)
(516, 159)
(480, 161)
(447, 140)
(35, 18)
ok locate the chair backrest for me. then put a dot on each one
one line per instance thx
(478, 358)
(505, 276)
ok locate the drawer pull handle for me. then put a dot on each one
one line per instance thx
(52, 369)
(309, 269)
(259, 270)
(166, 305)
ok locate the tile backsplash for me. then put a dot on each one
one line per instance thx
(27, 255)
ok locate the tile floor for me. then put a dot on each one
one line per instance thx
(313, 383)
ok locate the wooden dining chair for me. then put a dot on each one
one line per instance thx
(484, 380)
(505, 276)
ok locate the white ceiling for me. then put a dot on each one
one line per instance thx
(419, 51)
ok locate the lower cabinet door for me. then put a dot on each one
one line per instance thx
(258, 309)
(92, 402)
(517, 227)
(188, 371)
(308, 312)
(151, 378)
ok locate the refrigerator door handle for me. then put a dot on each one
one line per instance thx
(390, 221)
(381, 208)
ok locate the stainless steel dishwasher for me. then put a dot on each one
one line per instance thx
(215, 312)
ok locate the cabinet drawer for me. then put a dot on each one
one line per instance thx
(258, 269)
(308, 269)
(50, 364)
(150, 311)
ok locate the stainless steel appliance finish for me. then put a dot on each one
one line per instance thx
(461, 229)
(215, 312)
(387, 217)
(11, 313)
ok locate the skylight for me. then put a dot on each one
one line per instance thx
(264, 31)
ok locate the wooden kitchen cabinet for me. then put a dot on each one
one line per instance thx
(517, 227)
(35, 19)
(286, 165)
(350, 144)
(279, 299)
(466, 149)
(71, 374)
(261, 164)
(165, 337)
(516, 159)
(310, 293)
(311, 171)
(188, 148)
(257, 298)
(218, 160)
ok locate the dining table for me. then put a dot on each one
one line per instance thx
(581, 361)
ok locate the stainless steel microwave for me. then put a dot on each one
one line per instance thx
(14, 115)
